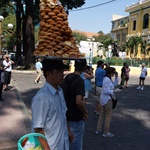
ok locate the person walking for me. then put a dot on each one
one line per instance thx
(38, 67)
(100, 73)
(74, 92)
(106, 102)
(127, 70)
(142, 77)
(7, 73)
(49, 108)
(123, 75)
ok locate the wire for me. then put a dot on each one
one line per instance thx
(94, 5)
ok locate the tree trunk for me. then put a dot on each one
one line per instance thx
(29, 58)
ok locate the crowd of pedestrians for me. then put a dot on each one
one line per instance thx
(56, 102)
(59, 110)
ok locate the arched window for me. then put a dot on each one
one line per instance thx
(146, 21)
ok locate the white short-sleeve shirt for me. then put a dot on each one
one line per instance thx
(9, 63)
(49, 112)
(143, 72)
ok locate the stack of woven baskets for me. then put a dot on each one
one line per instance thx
(55, 36)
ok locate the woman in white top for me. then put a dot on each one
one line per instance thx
(106, 101)
(142, 77)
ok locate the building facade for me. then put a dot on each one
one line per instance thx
(119, 28)
(136, 24)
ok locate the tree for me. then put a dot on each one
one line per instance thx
(100, 33)
(79, 36)
(128, 46)
(133, 42)
(30, 19)
(101, 37)
(29, 35)
(107, 42)
(8, 36)
(70, 4)
(5, 8)
(143, 48)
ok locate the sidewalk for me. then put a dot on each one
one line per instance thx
(14, 120)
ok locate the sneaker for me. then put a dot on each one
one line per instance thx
(117, 89)
(35, 81)
(40, 82)
(138, 88)
(108, 134)
(121, 87)
(97, 132)
(142, 88)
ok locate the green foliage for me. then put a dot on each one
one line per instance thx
(107, 42)
(70, 4)
(9, 19)
(123, 48)
(105, 39)
(100, 33)
(6, 8)
(133, 43)
(116, 61)
(113, 61)
(79, 36)
(36, 34)
(143, 47)
(9, 38)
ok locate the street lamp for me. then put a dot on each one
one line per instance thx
(10, 26)
(1, 19)
(91, 46)
(6, 32)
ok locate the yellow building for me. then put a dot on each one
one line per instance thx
(119, 30)
(136, 24)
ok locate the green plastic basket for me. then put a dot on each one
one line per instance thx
(32, 137)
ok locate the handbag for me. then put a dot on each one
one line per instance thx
(114, 102)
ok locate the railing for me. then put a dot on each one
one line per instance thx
(134, 5)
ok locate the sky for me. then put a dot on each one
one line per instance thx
(98, 18)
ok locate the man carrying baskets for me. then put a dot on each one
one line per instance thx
(49, 108)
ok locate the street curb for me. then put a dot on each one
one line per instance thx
(24, 110)
(24, 71)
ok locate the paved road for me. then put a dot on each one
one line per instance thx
(130, 122)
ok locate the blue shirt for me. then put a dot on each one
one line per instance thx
(38, 65)
(87, 82)
(99, 75)
(49, 112)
